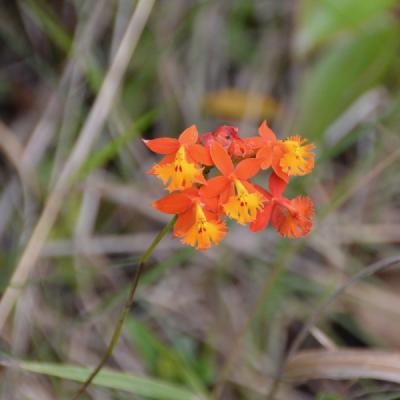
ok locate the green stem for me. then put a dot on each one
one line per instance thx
(125, 311)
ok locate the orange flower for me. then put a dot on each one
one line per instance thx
(291, 218)
(294, 219)
(270, 150)
(288, 157)
(237, 196)
(180, 167)
(196, 224)
(201, 204)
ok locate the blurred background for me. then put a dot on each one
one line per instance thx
(215, 324)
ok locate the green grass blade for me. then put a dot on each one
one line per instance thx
(151, 348)
(323, 20)
(47, 20)
(344, 73)
(146, 387)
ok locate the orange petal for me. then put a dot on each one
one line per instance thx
(162, 145)
(265, 155)
(267, 195)
(276, 184)
(266, 132)
(184, 222)
(200, 179)
(262, 219)
(221, 158)
(211, 203)
(189, 136)
(214, 186)
(226, 194)
(174, 203)
(199, 154)
(247, 168)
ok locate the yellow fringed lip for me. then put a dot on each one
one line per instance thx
(204, 232)
(180, 173)
(243, 205)
(298, 159)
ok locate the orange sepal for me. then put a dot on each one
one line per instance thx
(262, 219)
(199, 154)
(247, 168)
(184, 222)
(162, 145)
(174, 203)
(214, 186)
(276, 184)
(221, 158)
(277, 154)
(211, 203)
(266, 132)
(200, 179)
(265, 155)
(189, 136)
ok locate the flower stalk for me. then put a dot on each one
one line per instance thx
(125, 311)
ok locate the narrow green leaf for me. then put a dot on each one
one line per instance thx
(146, 387)
(323, 20)
(47, 20)
(151, 348)
(342, 74)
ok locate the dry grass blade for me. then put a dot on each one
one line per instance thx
(319, 311)
(344, 364)
(90, 131)
(13, 149)
(368, 271)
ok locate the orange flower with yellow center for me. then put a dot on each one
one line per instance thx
(180, 174)
(180, 167)
(204, 229)
(197, 225)
(288, 157)
(237, 196)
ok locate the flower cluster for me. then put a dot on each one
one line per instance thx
(201, 201)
